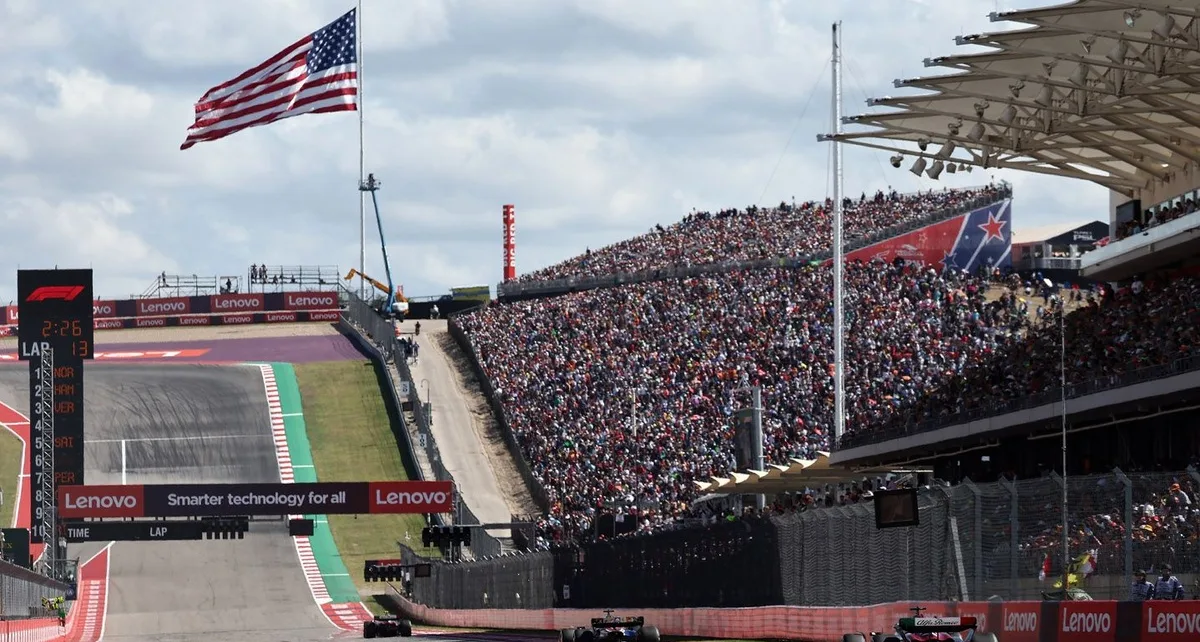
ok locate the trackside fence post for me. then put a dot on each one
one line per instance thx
(1126, 486)
(973, 538)
(1014, 540)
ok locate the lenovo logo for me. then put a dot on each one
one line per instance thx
(237, 319)
(281, 317)
(325, 315)
(1016, 621)
(104, 309)
(100, 501)
(162, 306)
(310, 300)
(194, 320)
(238, 302)
(55, 293)
(151, 323)
(109, 324)
(412, 497)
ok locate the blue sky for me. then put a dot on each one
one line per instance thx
(596, 118)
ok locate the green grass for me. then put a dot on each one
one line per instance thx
(10, 468)
(352, 440)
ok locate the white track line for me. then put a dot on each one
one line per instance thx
(157, 439)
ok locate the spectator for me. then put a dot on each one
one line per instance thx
(760, 233)
(623, 396)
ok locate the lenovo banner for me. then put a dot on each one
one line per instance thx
(163, 307)
(329, 316)
(11, 315)
(212, 500)
(104, 309)
(237, 303)
(310, 300)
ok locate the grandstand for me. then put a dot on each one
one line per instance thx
(620, 382)
(706, 242)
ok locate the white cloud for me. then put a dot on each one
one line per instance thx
(597, 118)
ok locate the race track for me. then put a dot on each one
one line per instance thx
(189, 424)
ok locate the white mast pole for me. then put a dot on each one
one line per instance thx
(839, 312)
(362, 165)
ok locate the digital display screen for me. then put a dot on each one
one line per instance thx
(896, 508)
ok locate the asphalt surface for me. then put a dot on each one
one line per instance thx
(189, 424)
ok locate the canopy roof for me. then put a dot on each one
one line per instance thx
(1100, 90)
(795, 476)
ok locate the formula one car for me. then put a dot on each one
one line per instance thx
(387, 626)
(922, 628)
(612, 629)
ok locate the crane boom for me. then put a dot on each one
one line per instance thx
(393, 305)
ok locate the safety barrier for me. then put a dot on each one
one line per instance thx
(1085, 621)
(22, 590)
(974, 542)
(30, 630)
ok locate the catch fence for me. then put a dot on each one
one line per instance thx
(975, 542)
(22, 590)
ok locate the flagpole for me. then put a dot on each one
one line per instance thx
(362, 165)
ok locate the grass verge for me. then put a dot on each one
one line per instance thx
(352, 440)
(10, 468)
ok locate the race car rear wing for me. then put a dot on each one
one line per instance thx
(617, 622)
(937, 624)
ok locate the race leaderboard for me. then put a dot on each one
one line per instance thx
(55, 322)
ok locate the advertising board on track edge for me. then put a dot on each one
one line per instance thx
(216, 500)
(1023, 621)
(217, 309)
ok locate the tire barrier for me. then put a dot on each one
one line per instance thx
(1084, 621)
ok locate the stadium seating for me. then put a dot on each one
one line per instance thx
(754, 233)
(623, 396)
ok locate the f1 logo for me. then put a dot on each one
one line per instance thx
(55, 293)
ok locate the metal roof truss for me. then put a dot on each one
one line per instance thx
(1099, 90)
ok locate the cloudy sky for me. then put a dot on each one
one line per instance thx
(596, 118)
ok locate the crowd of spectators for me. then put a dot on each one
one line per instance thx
(1156, 216)
(623, 396)
(791, 230)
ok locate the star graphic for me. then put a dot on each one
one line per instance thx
(993, 228)
(947, 260)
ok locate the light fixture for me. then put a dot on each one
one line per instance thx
(1049, 66)
(1164, 28)
(1118, 53)
(896, 159)
(951, 168)
(918, 166)
(936, 170)
(947, 149)
(1015, 88)
(923, 143)
(964, 166)
(1131, 17)
(976, 132)
(1045, 96)
(1087, 44)
(981, 106)
(1009, 115)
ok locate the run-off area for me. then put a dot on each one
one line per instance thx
(188, 424)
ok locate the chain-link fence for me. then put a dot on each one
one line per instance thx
(374, 329)
(974, 542)
(22, 590)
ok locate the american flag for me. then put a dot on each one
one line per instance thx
(316, 75)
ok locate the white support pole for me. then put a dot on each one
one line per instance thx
(839, 312)
(362, 165)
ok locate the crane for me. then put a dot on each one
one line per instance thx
(395, 304)
(400, 304)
